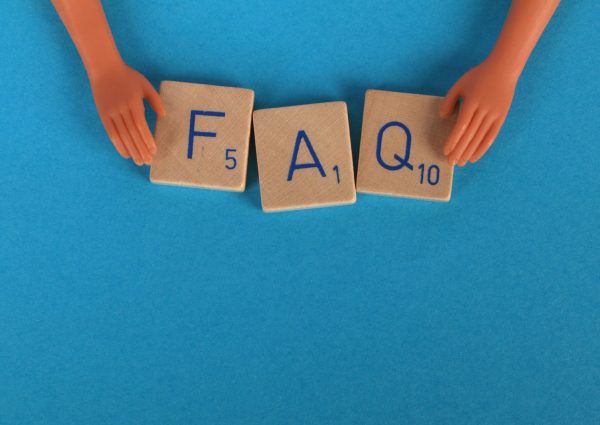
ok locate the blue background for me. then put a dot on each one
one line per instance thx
(124, 302)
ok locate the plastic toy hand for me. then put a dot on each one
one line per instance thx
(119, 95)
(486, 94)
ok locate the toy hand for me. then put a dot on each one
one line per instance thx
(119, 95)
(486, 92)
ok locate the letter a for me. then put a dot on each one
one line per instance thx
(294, 166)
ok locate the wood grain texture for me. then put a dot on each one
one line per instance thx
(209, 166)
(420, 115)
(326, 128)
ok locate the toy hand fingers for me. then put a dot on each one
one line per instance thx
(487, 142)
(466, 138)
(477, 139)
(464, 119)
(153, 98)
(137, 113)
(449, 103)
(113, 135)
(136, 137)
(127, 140)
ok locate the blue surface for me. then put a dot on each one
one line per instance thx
(123, 302)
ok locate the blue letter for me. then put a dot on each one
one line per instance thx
(316, 164)
(402, 162)
(194, 133)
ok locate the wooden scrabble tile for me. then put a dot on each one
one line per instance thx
(304, 156)
(401, 149)
(203, 141)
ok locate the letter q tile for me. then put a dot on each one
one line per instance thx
(401, 149)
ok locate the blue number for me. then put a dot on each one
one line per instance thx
(422, 168)
(337, 173)
(230, 158)
(432, 181)
(437, 175)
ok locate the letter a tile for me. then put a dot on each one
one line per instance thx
(401, 148)
(304, 156)
(203, 141)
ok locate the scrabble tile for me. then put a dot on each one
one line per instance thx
(401, 148)
(203, 141)
(304, 156)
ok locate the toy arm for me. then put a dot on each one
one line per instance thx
(488, 89)
(118, 89)
(88, 27)
(524, 25)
